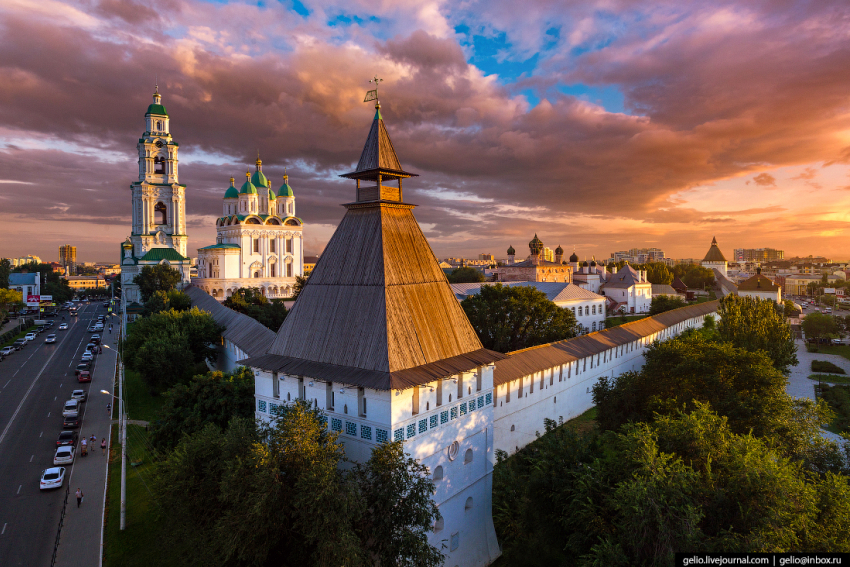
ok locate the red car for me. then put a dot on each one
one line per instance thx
(84, 376)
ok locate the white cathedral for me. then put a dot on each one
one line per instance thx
(159, 205)
(259, 242)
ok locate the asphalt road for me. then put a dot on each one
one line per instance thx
(34, 384)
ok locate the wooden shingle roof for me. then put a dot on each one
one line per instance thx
(714, 254)
(535, 359)
(378, 156)
(248, 334)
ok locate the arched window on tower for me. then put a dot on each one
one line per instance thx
(158, 165)
(163, 213)
(288, 268)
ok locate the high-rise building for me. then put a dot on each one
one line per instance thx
(68, 257)
(487, 257)
(758, 255)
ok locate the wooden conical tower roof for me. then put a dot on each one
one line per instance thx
(377, 310)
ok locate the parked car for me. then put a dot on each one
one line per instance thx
(52, 478)
(91, 347)
(50, 339)
(6, 351)
(84, 376)
(67, 438)
(63, 327)
(20, 343)
(82, 367)
(71, 407)
(64, 455)
(91, 329)
(87, 357)
(71, 422)
(79, 395)
(30, 336)
(95, 339)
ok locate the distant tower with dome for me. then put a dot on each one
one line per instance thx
(714, 258)
(259, 241)
(158, 234)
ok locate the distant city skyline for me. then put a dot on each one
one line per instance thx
(600, 127)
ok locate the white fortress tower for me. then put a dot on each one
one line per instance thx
(714, 258)
(379, 342)
(159, 205)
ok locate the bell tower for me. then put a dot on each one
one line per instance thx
(158, 232)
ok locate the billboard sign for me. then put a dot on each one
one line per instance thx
(45, 298)
(829, 290)
(33, 299)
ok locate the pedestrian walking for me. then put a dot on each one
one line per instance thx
(84, 444)
(109, 409)
(79, 495)
(103, 446)
(93, 442)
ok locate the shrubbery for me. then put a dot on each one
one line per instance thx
(826, 366)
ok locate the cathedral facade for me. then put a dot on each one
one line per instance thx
(159, 205)
(259, 242)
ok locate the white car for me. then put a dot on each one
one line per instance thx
(79, 395)
(71, 408)
(30, 336)
(52, 478)
(50, 339)
(98, 327)
(63, 327)
(6, 351)
(64, 455)
(87, 357)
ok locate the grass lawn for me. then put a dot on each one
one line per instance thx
(840, 350)
(838, 398)
(584, 422)
(20, 335)
(145, 540)
(831, 378)
(140, 403)
(616, 321)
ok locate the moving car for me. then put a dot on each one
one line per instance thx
(50, 339)
(71, 408)
(64, 455)
(71, 422)
(52, 478)
(63, 327)
(84, 376)
(6, 351)
(30, 336)
(67, 438)
(79, 395)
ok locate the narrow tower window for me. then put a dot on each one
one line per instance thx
(158, 165)
(163, 213)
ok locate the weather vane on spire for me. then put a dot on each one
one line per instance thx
(373, 94)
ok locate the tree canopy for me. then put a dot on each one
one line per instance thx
(9, 299)
(658, 273)
(754, 324)
(165, 300)
(508, 318)
(166, 347)
(465, 275)
(252, 302)
(820, 326)
(276, 495)
(156, 278)
(215, 397)
(698, 277)
(662, 303)
(5, 270)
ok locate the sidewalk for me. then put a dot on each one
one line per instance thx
(799, 384)
(80, 544)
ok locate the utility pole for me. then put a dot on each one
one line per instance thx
(122, 413)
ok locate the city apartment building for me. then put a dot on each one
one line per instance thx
(68, 257)
(763, 255)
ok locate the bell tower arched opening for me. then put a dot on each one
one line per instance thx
(162, 212)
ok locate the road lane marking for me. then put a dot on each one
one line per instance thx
(42, 433)
(54, 398)
(4, 529)
(32, 457)
(19, 488)
(7, 383)
(48, 414)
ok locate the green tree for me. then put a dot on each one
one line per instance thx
(215, 397)
(156, 278)
(662, 303)
(658, 273)
(398, 493)
(300, 282)
(819, 326)
(698, 277)
(253, 303)
(5, 270)
(9, 299)
(165, 300)
(194, 333)
(508, 318)
(754, 324)
(789, 309)
(465, 275)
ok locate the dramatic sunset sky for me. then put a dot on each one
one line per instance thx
(599, 125)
